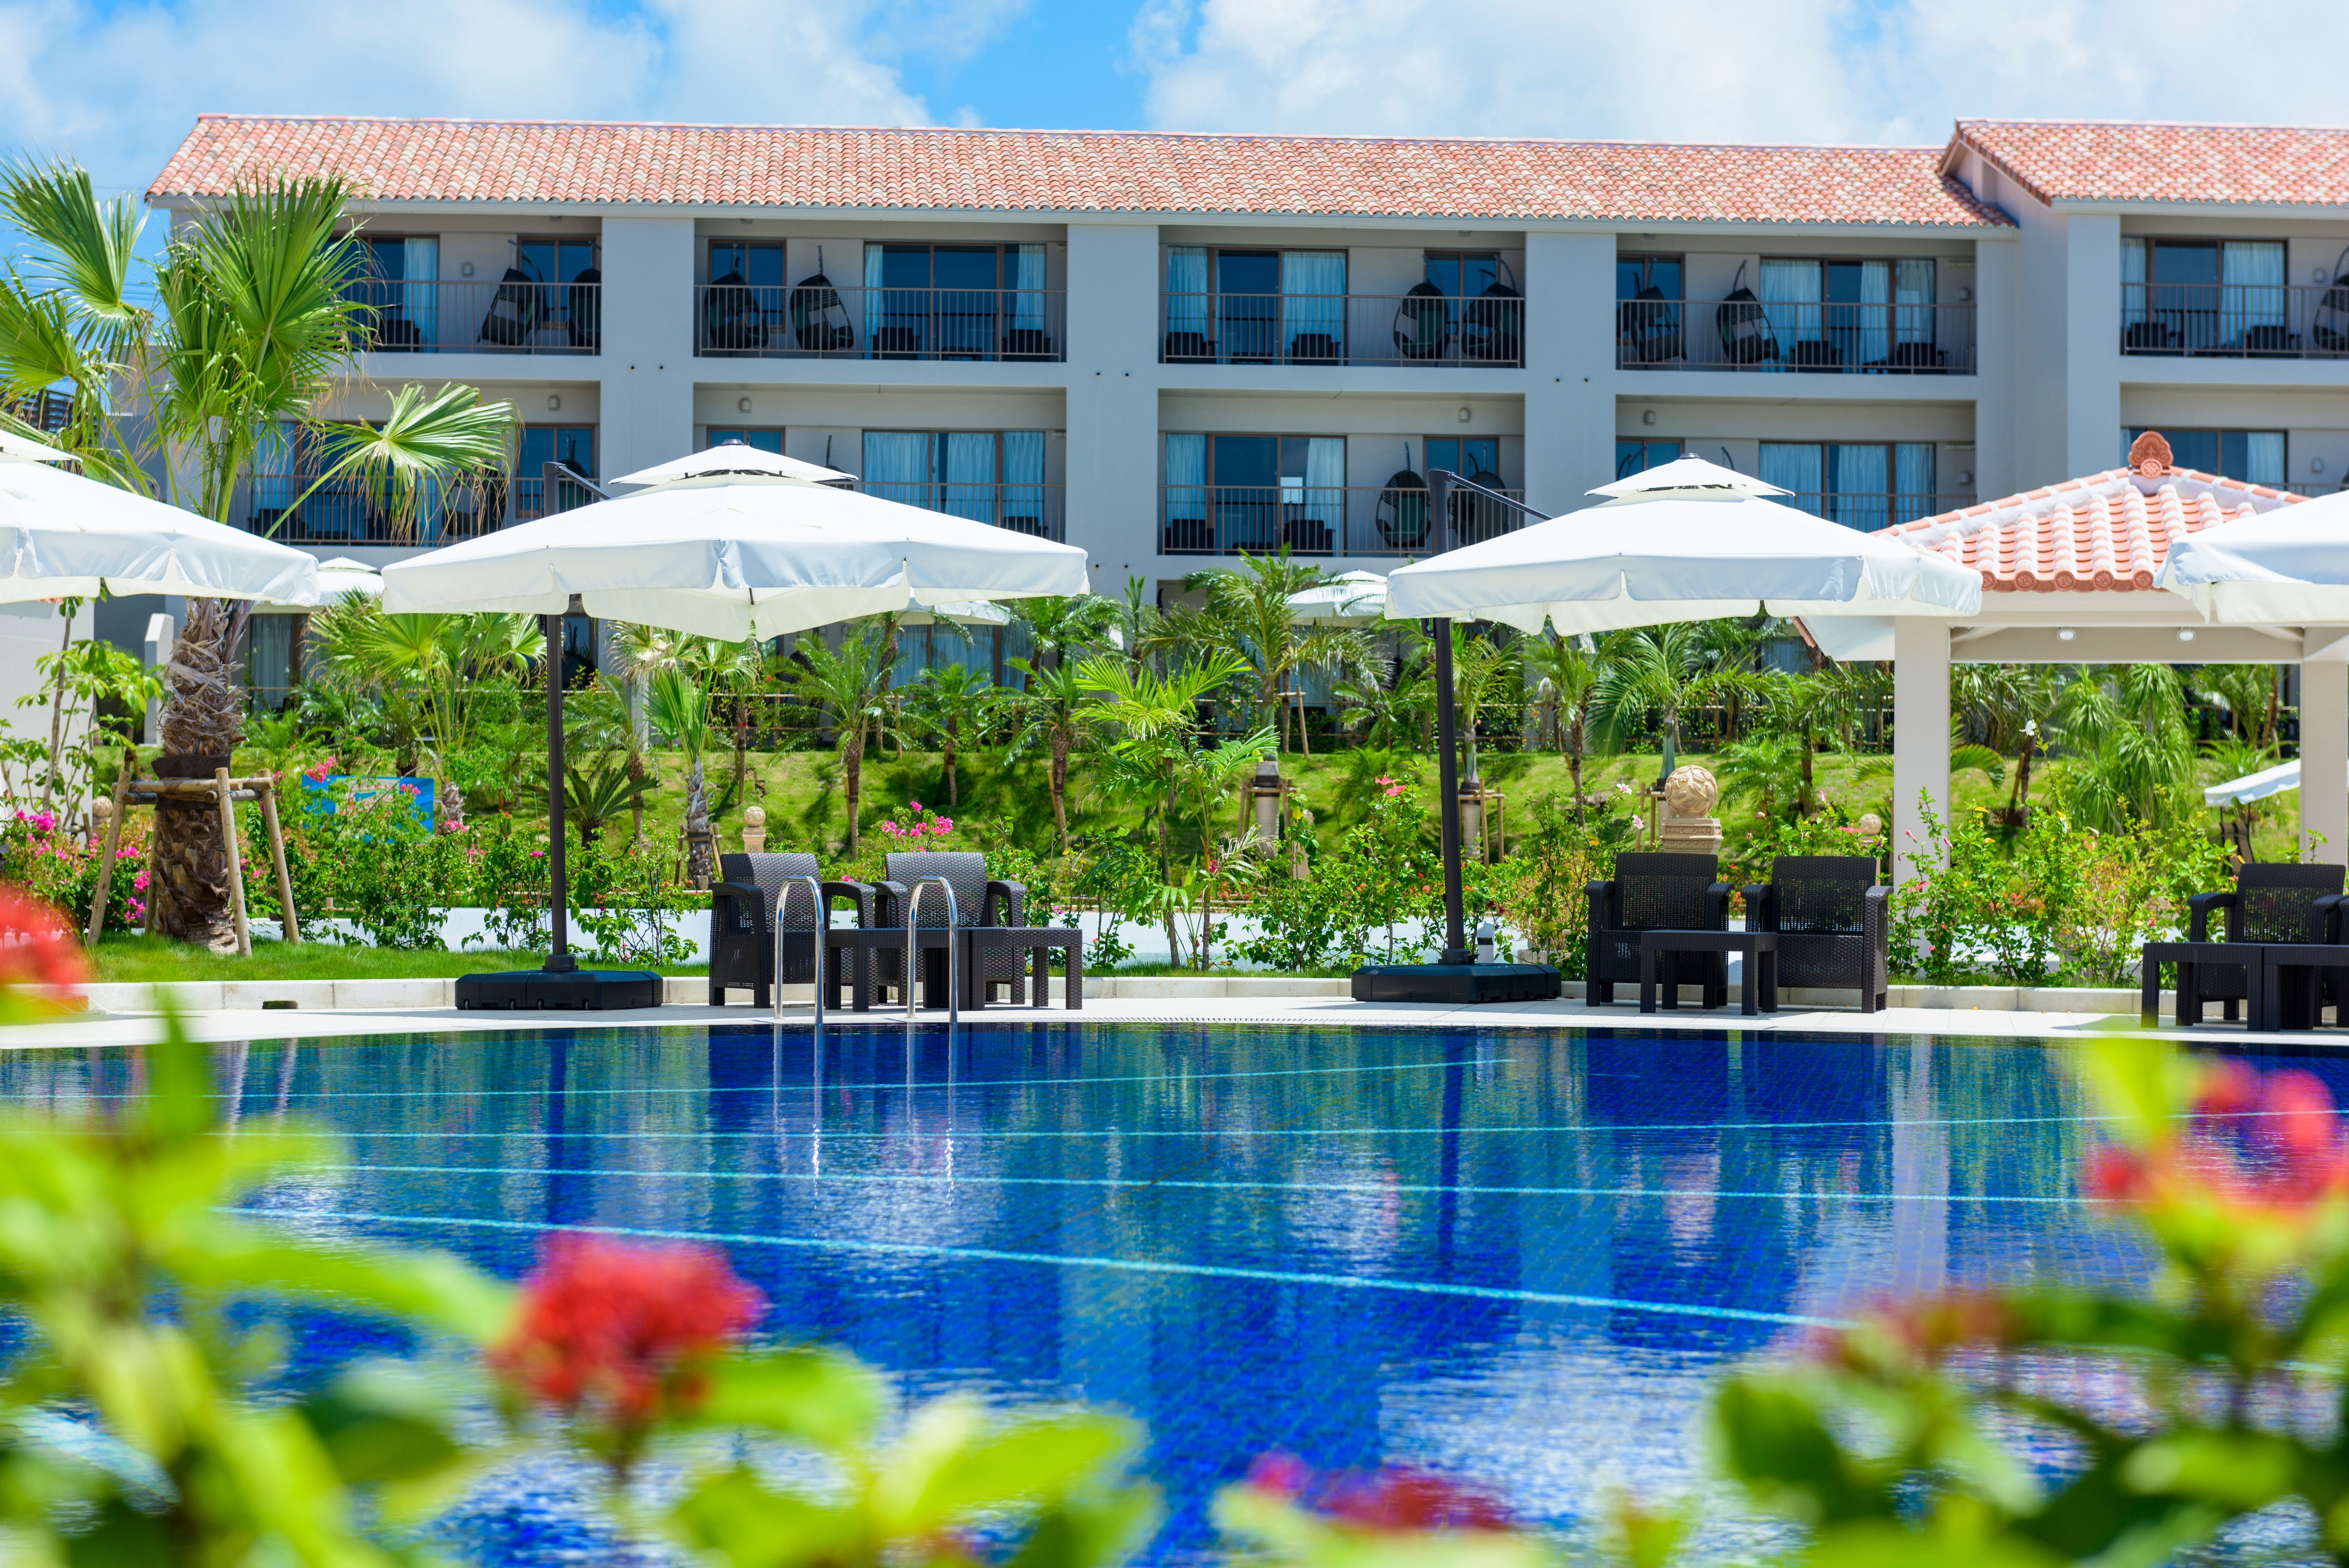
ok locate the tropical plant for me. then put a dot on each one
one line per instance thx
(2128, 721)
(1048, 711)
(949, 702)
(594, 794)
(1654, 669)
(2251, 695)
(1391, 701)
(678, 707)
(1246, 612)
(2008, 708)
(847, 689)
(84, 679)
(255, 319)
(1483, 674)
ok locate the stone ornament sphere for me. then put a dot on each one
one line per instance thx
(1691, 791)
(754, 816)
(1872, 824)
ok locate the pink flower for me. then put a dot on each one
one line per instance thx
(916, 805)
(889, 827)
(538, 854)
(942, 826)
(139, 883)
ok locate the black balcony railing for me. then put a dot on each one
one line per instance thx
(1415, 328)
(796, 321)
(1869, 510)
(2236, 320)
(515, 316)
(296, 509)
(1806, 337)
(1316, 520)
(1033, 509)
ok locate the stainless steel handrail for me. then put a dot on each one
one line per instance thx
(822, 920)
(914, 959)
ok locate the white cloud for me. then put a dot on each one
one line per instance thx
(118, 86)
(1774, 70)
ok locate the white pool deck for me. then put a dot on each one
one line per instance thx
(101, 1029)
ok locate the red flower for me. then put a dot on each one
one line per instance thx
(619, 1329)
(1398, 1500)
(36, 953)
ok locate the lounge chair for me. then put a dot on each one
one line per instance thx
(2270, 904)
(743, 922)
(979, 900)
(1834, 921)
(1656, 892)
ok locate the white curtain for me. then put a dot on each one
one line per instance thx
(1914, 294)
(1313, 300)
(969, 470)
(897, 466)
(1325, 481)
(876, 306)
(2251, 292)
(1858, 485)
(1186, 476)
(1186, 289)
(1873, 342)
(1023, 480)
(2262, 457)
(1913, 481)
(1790, 303)
(1028, 279)
(1795, 466)
(419, 270)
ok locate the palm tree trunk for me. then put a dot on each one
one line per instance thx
(1804, 807)
(202, 723)
(851, 777)
(954, 792)
(697, 860)
(1574, 765)
(1057, 777)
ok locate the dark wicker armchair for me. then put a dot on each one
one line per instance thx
(1655, 892)
(2269, 903)
(1833, 922)
(743, 922)
(978, 901)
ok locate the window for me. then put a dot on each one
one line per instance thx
(1477, 458)
(399, 281)
(763, 439)
(1649, 278)
(574, 446)
(988, 476)
(955, 302)
(2186, 296)
(557, 260)
(1638, 456)
(2254, 457)
(1836, 314)
(1255, 306)
(1865, 485)
(1257, 492)
(759, 265)
(1465, 274)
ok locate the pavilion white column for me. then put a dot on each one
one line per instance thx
(1920, 736)
(2324, 759)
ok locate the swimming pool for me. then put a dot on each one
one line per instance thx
(1513, 1255)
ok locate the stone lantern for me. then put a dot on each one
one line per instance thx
(1265, 791)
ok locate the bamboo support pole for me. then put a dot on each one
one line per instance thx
(106, 857)
(227, 800)
(277, 860)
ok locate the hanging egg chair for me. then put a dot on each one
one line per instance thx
(1492, 324)
(2329, 327)
(1744, 327)
(1422, 323)
(1475, 518)
(1401, 516)
(819, 316)
(731, 321)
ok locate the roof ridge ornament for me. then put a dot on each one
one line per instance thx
(2149, 456)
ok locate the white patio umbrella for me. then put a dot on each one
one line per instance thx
(1687, 541)
(14, 447)
(1348, 598)
(724, 552)
(733, 459)
(61, 536)
(337, 577)
(2287, 566)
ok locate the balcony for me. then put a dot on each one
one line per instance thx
(285, 507)
(1867, 511)
(1808, 337)
(797, 322)
(1356, 520)
(2236, 320)
(513, 317)
(1036, 510)
(1421, 327)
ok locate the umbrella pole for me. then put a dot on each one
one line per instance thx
(558, 957)
(1447, 745)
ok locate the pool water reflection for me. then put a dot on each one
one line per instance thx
(1514, 1255)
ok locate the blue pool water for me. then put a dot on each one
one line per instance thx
(1516, 1256)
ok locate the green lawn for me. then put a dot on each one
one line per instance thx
(143, 960)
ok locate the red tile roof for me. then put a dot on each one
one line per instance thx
(1076, 172)
(2085, 161)
(2109, 532)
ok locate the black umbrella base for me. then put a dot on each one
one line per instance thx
(1458, 984)
(575, 991)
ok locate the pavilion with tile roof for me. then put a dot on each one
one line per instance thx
(2069, 575)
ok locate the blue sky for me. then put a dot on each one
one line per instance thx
(117, 82)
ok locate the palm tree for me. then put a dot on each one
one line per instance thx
(1048, 710)
(2008, 707)
(254, 323)
(848, 689)
(1570, 674)
(1654, 669)
(1247, 612)
(1482, 672)
(2130, 721)
(678, 706)
(949, 701)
